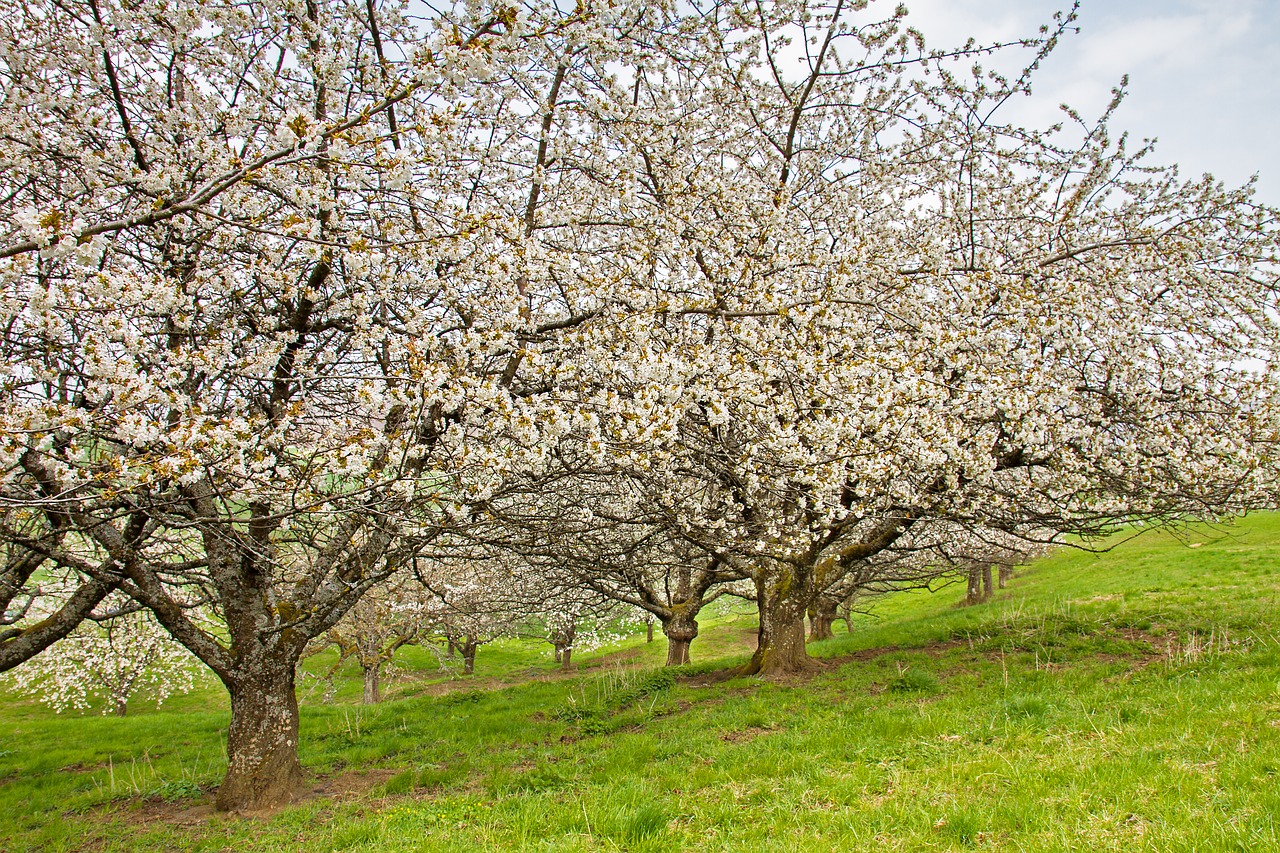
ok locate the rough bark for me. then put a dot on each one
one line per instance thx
(372, 687)
(822, 615)
(973, 592)
(680, 629)
(648, 625)
(122, 707)
(987, 589)
(783, 600)
(1005, 573)
(469, 657)
(565, 658)
(262, 744)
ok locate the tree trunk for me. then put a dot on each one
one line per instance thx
(648, 626)
(821, 617)
(1006, 572)
(974, 592)
(562, 637)
(262, 743)
(680, 630)
(987, 591)
(122, 707)
(783, 600)
(469, 657)
(372, 693)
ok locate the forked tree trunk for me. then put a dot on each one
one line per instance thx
(372, 691)
(783, 600)
(680, 630)
(262, 744)
(822, 615)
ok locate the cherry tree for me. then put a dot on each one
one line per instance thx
(901, 312)
(585, 527)
(471, 600)
(109, 658)
(491, 579)
(277, 282)
(388, 617)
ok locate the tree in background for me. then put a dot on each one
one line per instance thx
(109, 658)
(385, 619)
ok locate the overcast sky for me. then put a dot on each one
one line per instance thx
(1204, 77)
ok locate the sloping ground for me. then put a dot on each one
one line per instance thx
(1127, 700)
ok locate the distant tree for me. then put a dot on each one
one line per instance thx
(389, 617)
(109, 659)
(585, 527)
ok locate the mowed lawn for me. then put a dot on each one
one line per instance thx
(1126, 700)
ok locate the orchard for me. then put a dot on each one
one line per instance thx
(323, 317)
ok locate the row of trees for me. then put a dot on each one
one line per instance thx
(651, 301)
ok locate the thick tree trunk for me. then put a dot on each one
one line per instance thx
(262, 744)
(565, 658)
(822, 615)
(559, 652)
(372, 691)
(680, 630)
(1005, 573)
(469, 657)
(987, 590)
(648, 626)
(122, 707)
(677, 652)
(783, 600)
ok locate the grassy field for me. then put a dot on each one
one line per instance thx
(1127, 700)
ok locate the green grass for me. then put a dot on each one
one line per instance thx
(1126, 700)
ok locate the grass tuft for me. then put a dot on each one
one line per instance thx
(912, 680)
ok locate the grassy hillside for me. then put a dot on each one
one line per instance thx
(1126, 700)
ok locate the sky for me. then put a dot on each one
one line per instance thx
(1204, 77)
